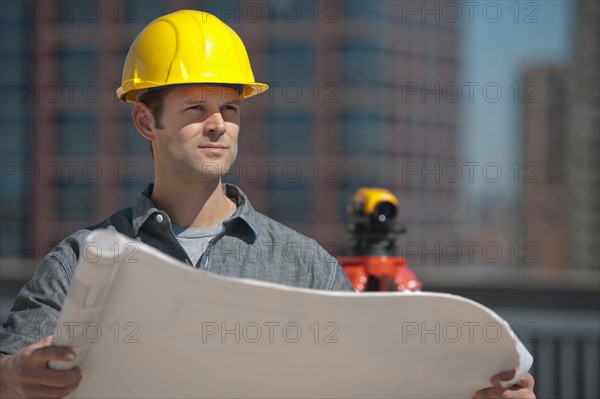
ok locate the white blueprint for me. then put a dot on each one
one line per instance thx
(148, 326)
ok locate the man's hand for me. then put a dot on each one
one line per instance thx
(523, 388)
(25, 374)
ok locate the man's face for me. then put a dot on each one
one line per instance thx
(200, 126)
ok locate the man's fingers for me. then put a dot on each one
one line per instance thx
(505, 376)
(523, 388)
(40, 391)
(46, 341)
(51, 378)
(35, 369)
(26, 373)
(41, 352)
(42, 355)
(483, 394)
(526, 381)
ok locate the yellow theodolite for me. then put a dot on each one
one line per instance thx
(374, 264)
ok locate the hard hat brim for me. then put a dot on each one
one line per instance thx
(131, 94)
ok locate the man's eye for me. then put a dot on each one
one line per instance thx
(195, 107)
(230, 108)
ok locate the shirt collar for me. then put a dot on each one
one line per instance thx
(144, 208)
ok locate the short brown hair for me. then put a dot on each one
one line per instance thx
(154, 99)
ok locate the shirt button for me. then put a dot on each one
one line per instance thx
(159, 218)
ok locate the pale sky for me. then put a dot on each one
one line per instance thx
(496, 52)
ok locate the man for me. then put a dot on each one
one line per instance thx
(186, 73)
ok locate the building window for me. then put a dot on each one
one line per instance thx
(75, 201)
(131, 191)
(360, 133)
(132, 141)
(16, 90)
(361, 9)
(290, 133)
(78, 69)
(76, 134)
(289, 202)
(362, 63)
(290, 62)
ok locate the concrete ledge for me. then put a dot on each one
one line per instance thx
(515, 277)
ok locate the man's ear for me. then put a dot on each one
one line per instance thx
(143, 120)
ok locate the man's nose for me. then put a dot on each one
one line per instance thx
(215, 123)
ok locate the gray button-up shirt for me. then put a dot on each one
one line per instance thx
(250, 245)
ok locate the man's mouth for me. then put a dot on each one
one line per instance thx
(216, 150)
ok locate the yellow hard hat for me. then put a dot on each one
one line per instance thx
(186, 47)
